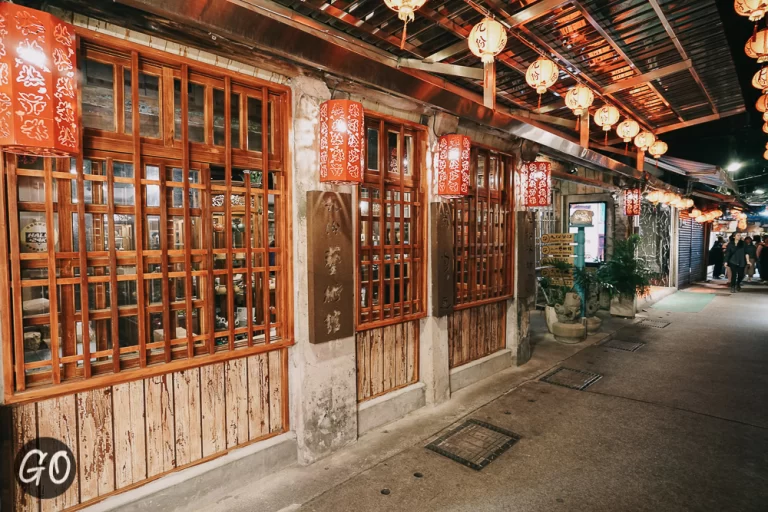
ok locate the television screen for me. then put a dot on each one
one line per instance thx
(594, 245)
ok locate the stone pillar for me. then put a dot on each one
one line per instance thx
(519, 309)
(322, 378)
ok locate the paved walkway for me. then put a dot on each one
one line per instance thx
(680, 424)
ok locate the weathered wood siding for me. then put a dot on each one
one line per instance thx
(387, 359)
(476, 332)
(128, 434)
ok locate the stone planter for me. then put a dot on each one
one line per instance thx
(624, 307)
(569, 333)
(550, 315)
(593, 324)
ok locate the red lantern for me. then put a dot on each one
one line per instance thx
(38, 100)
(453, 165)
(342, 135)
(537, 178)
(632, 198)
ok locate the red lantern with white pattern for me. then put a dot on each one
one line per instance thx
(38, 83)
(537, 183)
(453, 159)
(632, 197)
(342, 135)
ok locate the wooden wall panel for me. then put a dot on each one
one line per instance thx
(187, 416)
(275, 394)
(57, 419)
(158, 395)
(258, 396)
(130, 436)
(236, 391)
(214, 419)
(474, 333)
(387, 359)
(24, 430)
(95, 443)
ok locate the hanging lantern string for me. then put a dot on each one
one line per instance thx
(405, 31)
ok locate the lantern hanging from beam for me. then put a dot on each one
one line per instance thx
(765, 128)
(694, 213)
(38, 83)
(765, 155)
(757, 46)
(579, 99)
(654, 196)
(487, 39)
(753, 9)
(541, 75)
(643, 140)
(537, 182)
(607, 116)
(627, 129)
(632, 198)
(453, 161)
(760, 80)
(342, 135)
(405, 10)
(658, 148)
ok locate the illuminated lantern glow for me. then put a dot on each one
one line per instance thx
(658, 148)
(643, 140)
(632, 198)
(742, 224)
(688, 203)
(760, 80)
(762, 103)
(765, 154)
(765, 127)
(628, 129)
(38, 84)
(487, 39)
(757, 46)
(541, 75)
(607, 116)
(579, 99)
(694, 213)
(405, 10)
(342, 135)
(453, 161)
(654, 196)
(752, 9)
(537, 178)
(701, 219)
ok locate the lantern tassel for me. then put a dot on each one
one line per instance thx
(405, 30)
(606, 137)
(539, 107)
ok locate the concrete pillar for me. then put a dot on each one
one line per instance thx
(323, 392)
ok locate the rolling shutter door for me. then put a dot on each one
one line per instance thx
(684, 252)
(697, 253)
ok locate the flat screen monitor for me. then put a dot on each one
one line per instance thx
(594, 246)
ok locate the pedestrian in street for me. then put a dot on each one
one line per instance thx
(762, 259)
(750, 251)
(730, 246)
(716, 257)
(736, 259)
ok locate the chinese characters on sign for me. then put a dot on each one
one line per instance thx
(330, 266)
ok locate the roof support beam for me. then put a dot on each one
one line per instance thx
(706, 119)
(452, 50)
(636, 80)
(442, 69)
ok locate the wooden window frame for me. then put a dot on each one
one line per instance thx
(383, 181)
(488, 249)
(76, 372)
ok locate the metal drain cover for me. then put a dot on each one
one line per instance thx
(628, 346)
(571, 378)
(658, 324)
(474, 443)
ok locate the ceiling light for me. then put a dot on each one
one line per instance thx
(733, 166)
(759, 191)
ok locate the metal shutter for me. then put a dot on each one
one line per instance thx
(684, 235)
(697, 253)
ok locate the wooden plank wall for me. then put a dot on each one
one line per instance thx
(476, 332)
(387, 359)
(128, 434)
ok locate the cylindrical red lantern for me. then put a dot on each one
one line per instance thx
(537, 178)
(453, 157)
(632, 198)
(38, 84)
(342, 135)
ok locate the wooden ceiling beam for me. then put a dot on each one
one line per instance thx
(656, 74)
(700, 120)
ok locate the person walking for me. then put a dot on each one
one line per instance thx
(726, 250)
(736, 259)
(716, 257)
(762, 259)
(750, 251)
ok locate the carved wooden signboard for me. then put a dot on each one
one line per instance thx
(441, 230)
(330, 266)
(526, 259)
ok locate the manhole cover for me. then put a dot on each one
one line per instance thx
(628, 346)
(570, 378)
(658, 324)
(474, 443)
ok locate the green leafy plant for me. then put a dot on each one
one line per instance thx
(625, 275)
(555, 294)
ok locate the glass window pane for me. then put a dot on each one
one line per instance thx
(393, 141)
(149, 104)
(408, 156)
(372, 148)
(254, 124)
(218, 118)
(98, 97)
(196, 111)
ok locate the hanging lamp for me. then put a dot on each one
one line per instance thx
(342, 135)
(643, 140)
(579, 99)
(760, 80)
(658, 148)
(537, 179)
(627, 129)
(453, 162)
(405, 10)
(762, 106)
(757, 46)
(605, 117)
(487, 39)
(632, 198)
(541, 75)
(765, 127)
(752, 9)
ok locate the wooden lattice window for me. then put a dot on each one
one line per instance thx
(391, 236)
(164, 238)
(483, 231)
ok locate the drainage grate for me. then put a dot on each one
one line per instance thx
(658, 324)
(570, 378)
(628, 346)
(474, 443)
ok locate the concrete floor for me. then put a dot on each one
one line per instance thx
(681, 424)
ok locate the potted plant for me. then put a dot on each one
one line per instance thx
(563, 310)
(553, 295)
(625, 277)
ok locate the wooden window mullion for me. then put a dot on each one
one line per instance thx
(113, 309)
(383, 166)
(138, 201)
(401, 163)
(5, 295)
(167, 335)
(488, 220)
(187, 223)
(227, 204)
(18, 315)
(265, 218)
(208, 231)
(82, 246)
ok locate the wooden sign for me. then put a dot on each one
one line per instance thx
(553, 260)
(330, 266)
(558, 238)
(554, 272)
(526, 261)
(559, 250)
(561, 281)
(441, 230)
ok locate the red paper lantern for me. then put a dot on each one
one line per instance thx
(38, 84)
(632, 198)
(342, 135)
(537, 177)
(453, 157)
